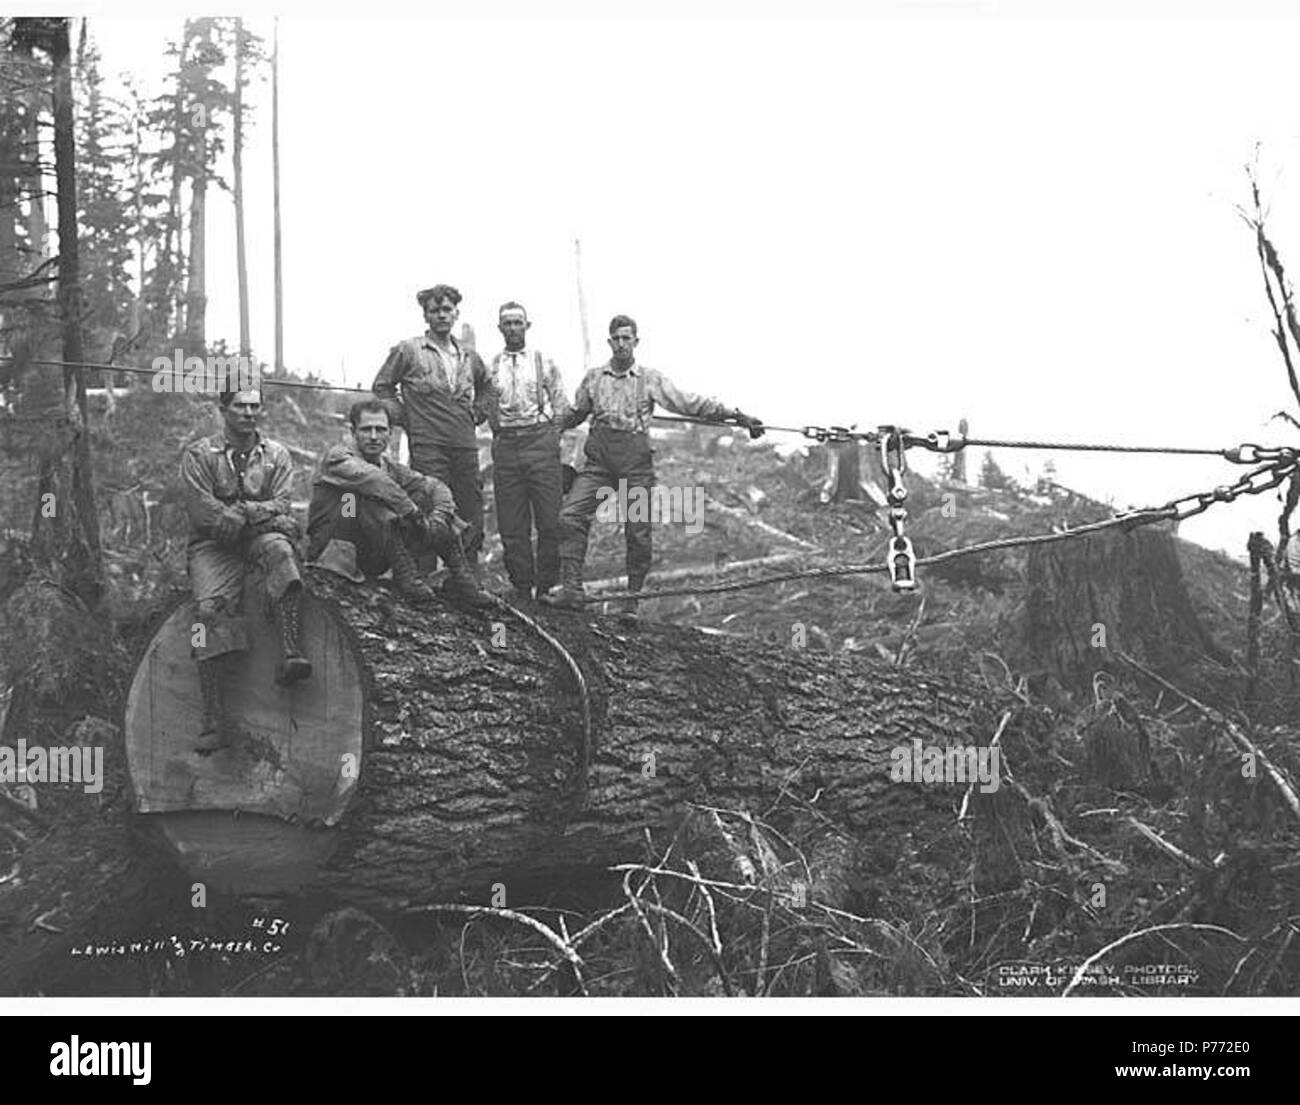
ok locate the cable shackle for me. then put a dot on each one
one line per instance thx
(901, 558)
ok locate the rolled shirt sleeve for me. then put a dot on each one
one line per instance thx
(560, 405)
(343, 469)
(663, 391)
(582, 406)
(386, 381)
(201, 505)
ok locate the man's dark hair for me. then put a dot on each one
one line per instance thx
(228, 397)
(511, 306)
(437, 293)
(368, 406)
(622, 320)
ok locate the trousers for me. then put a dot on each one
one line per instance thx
(217, 574)
(458, 469)
(526, 486)
(611, 456)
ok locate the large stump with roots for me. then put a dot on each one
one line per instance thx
(1089, 597)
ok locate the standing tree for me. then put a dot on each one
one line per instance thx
(105, 137)
(208, 101)
(65, 527)
(248, 58)
(275, 172)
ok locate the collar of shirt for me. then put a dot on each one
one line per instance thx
(633, 369)
(228, 446)
(430, 343)
(520, 353)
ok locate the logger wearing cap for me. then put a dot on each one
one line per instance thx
(527, 400)
(620, 398)
(237, 491)
(439, 389)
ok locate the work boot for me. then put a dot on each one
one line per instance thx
(460, 586)
(626, 609)
(569, 594)
(295, 666)
(216, 732)
(406, 573)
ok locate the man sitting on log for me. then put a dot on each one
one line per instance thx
(369, 513)
(237, 495)
(620, 398)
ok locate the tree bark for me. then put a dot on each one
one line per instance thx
(85, 539)
(473, 775)
(474, 770)
(196, 292)
(1112, 590)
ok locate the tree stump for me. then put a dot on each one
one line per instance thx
(849, 477)
(1090, 596)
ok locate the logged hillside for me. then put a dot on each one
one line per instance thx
(1123, 808)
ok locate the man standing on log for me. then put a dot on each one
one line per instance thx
(527, 399)
(620, 397)
(444, 394)
(369, 513)
(237, 494)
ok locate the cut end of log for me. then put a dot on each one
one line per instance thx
(294, 757)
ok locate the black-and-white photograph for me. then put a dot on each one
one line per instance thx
(615, 505)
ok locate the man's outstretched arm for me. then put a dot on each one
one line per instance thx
(687, 403)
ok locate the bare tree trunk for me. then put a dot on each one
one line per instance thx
(241, 259)
(275, 173)
(65, 527)
(37, 227)
(196, 297)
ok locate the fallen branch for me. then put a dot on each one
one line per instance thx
(565, 949)
(1169, 849)
(1097, 957)
(758, 523)
(1240, 738)
(618, 583)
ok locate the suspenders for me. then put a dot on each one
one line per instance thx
(541, 385)
(541, 391)
(640, 399)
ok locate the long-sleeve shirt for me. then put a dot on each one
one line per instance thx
(403, 490)
(442, 398)
(526, 389)
(215, 477)
(626, 401)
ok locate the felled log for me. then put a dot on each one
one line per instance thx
(477, 769)
(1089, 597)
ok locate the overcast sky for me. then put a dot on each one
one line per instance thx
(1029, 223)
